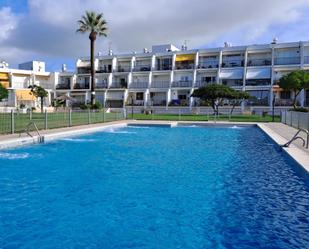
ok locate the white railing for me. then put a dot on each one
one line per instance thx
(298, 120)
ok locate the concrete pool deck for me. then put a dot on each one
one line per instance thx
(278, 132)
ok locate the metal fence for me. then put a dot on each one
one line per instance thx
(16, 122)
(299, 120)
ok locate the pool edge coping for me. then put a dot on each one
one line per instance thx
(297, 155)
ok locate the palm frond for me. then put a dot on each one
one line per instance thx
(92, 22)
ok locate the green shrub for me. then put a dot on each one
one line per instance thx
(96, 106)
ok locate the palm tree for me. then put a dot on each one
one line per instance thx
(95, 24)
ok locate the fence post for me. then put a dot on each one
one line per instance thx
(12, 122)
(179, 114)
(30, 114)
(45, 122)
(70, 118)
(103, 115)
(89, 119)
(298, 118)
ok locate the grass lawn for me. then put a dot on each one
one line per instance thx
(54, 120)
(192, 117)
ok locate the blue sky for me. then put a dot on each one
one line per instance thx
(45, 29)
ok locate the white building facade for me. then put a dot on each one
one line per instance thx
(168, 76)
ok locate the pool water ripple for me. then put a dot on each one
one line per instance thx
(150, 187)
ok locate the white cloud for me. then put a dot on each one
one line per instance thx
(8, 22)
(48, 30)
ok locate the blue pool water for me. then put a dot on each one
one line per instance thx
(140, 187)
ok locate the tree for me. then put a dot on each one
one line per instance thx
(97, 26)
(237, 97)
(295, 81)
(4, 93)
(39, 92)
(214, 94)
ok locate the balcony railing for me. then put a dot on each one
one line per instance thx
(232, 63)
(181, 83)
(142, 68)
(164, 67)
(123, 68)
(306, 59)
(63, 86)
(138, 85)
(104, 70)
(287, 60)
(232, 82)
(81, 85)
(83, 70)
(258, 82)
(160, 84)
(119, 85)
(208, 64)
(101, 85)
(180, 66)
(202, 83)
(258, 62)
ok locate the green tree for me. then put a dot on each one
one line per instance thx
(4, 93)
(237, 97)
(39, 92)
(97, 26)
(214, 94)
(295, 81)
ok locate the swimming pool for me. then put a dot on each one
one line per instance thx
(154, 187)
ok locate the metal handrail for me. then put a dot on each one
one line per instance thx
(295, 137)
(27, 130)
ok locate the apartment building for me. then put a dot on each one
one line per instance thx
(17, 81)
(167, 76)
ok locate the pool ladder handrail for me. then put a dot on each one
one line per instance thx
(27, 131)
(295, 137)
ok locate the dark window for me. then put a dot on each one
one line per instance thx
(182, 96)
(139, 96)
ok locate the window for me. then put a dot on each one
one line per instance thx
(285, 95)
(182, 96)
(140, 96)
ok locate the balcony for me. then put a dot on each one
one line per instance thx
(160, 84)
(116, 84)
(232, 63)
(258, 62)
(208, 64)
(182, 83)
(258, 82)
(306, 59)
(184, 66)
(138, 85)
(104, 70)
(142, 68)
(101, 85)
(202, 83)
(63, 86)
(231, 82)
(84, 70)
(80, 85)
(121, 68)
(164, 67)
(287, 60)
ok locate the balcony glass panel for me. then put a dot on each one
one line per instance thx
(160, 84)
(119, 84)
(258, 82)
(182, 83)
(139, 85)
(252, 62)
(287, 60)
(232, 82)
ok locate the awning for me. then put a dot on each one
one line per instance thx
(4, 76)
(232, 74)
(185, 57)
(5, 83)
(25, 95)
(258, 73)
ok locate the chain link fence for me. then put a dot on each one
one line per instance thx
(16, 122)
